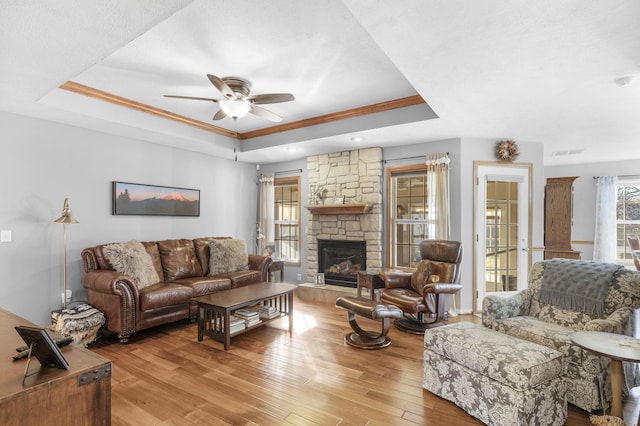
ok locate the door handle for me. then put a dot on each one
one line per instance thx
(525, 248)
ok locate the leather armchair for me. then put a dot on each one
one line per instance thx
(425, 295)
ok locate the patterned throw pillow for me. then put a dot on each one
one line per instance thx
(132, 259)
(227, 255)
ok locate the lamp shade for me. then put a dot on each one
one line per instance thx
(66, 217)
(234, 108)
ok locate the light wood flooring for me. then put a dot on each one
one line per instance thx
(164, 376)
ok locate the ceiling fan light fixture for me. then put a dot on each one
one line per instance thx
(235, 108)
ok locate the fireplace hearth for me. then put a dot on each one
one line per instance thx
(340, 261)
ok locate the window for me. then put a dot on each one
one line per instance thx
(409, 223)
(287, 218)
(628, 216)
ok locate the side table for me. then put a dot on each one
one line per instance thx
(276, 265)
(81, 321)
(371, 281)
(619, 348)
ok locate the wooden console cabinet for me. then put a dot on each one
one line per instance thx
(558, 217)
(52, 396)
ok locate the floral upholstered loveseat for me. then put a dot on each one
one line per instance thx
(526, 316)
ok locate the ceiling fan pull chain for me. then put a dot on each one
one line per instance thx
(235, 142)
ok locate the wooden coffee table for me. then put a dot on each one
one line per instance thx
(214, 310)
(619, 348)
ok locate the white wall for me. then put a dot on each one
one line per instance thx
(584, 196)
(43, 162)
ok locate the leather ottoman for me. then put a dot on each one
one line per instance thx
(497, 378)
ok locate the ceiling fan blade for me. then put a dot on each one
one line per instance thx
(219, 115)
(271, 98)
(221, 86)
(190, 97)
(265, 113)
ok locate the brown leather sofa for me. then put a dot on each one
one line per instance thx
(182, 264)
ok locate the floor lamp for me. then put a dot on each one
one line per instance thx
(64, 220)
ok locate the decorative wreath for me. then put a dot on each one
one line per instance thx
(507, 150)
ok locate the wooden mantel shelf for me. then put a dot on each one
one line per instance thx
(351, 208)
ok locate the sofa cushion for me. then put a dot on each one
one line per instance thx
(201, 246)
(179, 259)
(227, 255)
(152, 249)
(547, 334)
(404, 298)
(101, 260)
(164, 294)
(205, 285)
(242, 278)
(132, 259)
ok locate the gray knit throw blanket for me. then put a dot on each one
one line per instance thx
(577, 284)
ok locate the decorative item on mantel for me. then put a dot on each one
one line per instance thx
(318, 194)
(507, 150)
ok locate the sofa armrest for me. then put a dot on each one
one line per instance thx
(396, 279)
(116, 296)
(496, 307)
(110, 282)
(614, 323)
(260, 263)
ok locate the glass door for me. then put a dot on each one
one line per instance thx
(502, 206)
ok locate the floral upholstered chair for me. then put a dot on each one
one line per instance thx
(634, 243)
(545, 315)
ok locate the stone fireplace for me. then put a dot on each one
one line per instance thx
(342, 180)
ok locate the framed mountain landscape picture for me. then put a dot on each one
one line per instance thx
(140, 199)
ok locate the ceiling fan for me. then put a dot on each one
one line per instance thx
(237, 102)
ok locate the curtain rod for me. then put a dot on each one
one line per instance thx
(284, 172)
(405, 158)
(621, 176)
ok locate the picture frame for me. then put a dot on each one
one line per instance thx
(338, 200)
(269, 250)
(42, 347)
(319, 279)
(154, 200)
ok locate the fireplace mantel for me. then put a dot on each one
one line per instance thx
(351, 208)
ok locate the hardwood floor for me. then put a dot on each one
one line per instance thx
(164, 376)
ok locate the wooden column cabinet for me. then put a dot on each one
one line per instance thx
(558, 217)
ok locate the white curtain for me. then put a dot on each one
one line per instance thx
(438, 196)
(604, 245)
(265, 228)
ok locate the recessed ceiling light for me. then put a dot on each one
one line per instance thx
(357, 139)
(292, 149)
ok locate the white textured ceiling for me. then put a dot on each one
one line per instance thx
(542, 71)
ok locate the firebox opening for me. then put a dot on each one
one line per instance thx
(340, 261)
